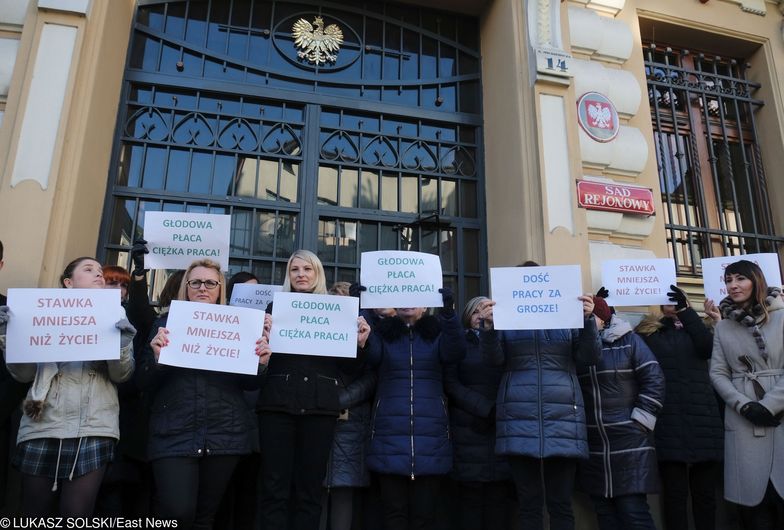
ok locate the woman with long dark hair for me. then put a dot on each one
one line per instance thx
(70, 425)
(747, 370)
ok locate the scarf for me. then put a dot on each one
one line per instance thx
(750, 317)
(35, 404)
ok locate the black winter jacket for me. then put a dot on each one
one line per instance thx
(195, 412)
(689, 427)
(302, 384)
(472, 387)
(134, 407)
(623, 394)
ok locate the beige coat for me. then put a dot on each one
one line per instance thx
(82, 399)
(752, 455)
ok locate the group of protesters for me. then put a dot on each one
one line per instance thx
(512, 422)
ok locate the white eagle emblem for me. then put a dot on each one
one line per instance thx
(600, 115)
(319, 45)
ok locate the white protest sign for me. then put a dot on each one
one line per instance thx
(176, 239)
(396, 278)
(213, 337)
(537, 297)
(638, 281)
(713, 272)
(49, 325)
(253, 295)
(314, 324)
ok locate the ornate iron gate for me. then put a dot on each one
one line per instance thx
(368, 139)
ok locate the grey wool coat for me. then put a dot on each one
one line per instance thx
(752, 455)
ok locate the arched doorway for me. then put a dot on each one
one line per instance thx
(376, 147)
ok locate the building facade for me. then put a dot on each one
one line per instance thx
(486, 131)
(489, 132)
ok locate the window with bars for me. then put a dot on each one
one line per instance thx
(712, 180)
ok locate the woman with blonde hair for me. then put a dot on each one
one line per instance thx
(747, 370)
(199, 422)
(298, 407)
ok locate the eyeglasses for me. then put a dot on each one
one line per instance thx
(209, 284)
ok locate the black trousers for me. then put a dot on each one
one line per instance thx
(484, 505)
(294, 454)
(624, 512)
(190, 489)
(409, 504)
(767, 515)
(237, 511)
(679, 480)
(540, 481)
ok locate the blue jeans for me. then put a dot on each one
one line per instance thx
(625, 512)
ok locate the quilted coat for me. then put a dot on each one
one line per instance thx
(347, 466)
(196, 412)
(623, 393)
(540, 410)
(472, 387)
(410, 428)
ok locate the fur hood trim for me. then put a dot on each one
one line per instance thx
(649, 325)
(394, 328)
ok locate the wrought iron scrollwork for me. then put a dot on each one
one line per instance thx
(419, 156)
(238, 134)
(340, 146)
(379, 151)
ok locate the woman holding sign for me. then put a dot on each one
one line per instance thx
(410, 447)
(199, 422)
(747, 370)
(540, 419)
(298, 407)
(70, 425)
(623, 393)
(484, 479)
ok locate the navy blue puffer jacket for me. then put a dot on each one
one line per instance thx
(540, 410)
(624, 394)
(472, 387)
(410, 428)
(347, 467)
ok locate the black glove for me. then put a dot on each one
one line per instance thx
(677, 295)
(449, 300)
(758, 415)
(484, 425)
(355, 289)
(602, 292)
(138, 250)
